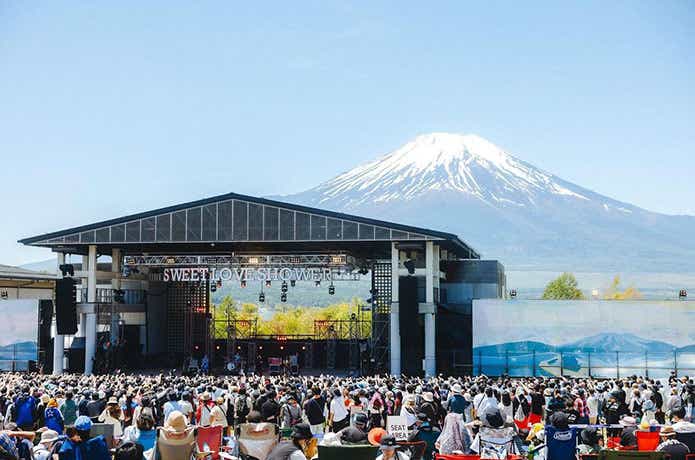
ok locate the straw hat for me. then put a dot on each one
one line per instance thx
(48, 437)
(428, 396)
(667, 432)
(456, 389)
(206, 396)
(175, 423)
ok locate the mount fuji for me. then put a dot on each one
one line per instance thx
(507, 209)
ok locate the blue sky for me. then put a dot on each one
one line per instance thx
(112, 108)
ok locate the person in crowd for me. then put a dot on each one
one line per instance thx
(43, 450)
(389, 449)
(53, 418)
(357, 432)
(80, 446)
(301, 447)
(680, 425)
(425, 431)
(455, 437)
(314, 409)
(68, 408)
(338, 415)
(24, 410)
(113, 415)
(589, 442)
(218, 414)
(290, 413)
(670, 445)
(143, 432)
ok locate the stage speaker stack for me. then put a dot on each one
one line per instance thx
(66, 306)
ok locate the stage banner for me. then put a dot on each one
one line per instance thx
(583, 338)
(19, 331)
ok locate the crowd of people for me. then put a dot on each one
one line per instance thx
(158, 416)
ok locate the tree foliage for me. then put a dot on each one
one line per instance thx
(564, 287)
(285, 319)
(614, 291)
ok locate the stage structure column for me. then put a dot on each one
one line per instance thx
(429, 308)
(90, 344)
(83, 291)
(58, 340)
(395, 339)
(115, 284)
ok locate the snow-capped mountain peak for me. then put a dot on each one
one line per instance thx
(467, 164)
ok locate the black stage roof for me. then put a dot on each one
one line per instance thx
(235, 222)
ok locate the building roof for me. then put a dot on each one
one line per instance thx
(235, 218)
(12, 272)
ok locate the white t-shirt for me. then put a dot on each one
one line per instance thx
(338, 409)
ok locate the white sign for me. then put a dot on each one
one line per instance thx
(397, 425)
(257, 274)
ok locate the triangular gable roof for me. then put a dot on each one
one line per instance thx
(240, 218)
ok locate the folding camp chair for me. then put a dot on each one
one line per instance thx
(647, 440)
(209, 439)
(416, 448)
(561, 444)
(688, 439)
(257, 439)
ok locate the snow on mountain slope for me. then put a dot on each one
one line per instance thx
(467, 164)
(507, 208)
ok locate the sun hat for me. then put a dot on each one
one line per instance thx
(667, 431)
(175, 423)
(428, 396)
(112, 400)
(628, 421)
(52, 403)
(48, 436)
(83, 423)
(45, 398)
(375, 434)
(456, 389)
(206, 396)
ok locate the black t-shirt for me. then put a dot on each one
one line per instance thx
(270, 410)
(314, 411)
(537, 403)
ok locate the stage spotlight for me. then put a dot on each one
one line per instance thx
(261, 297)
(317, 283)
(292, 283)
(217, 347)
(410, 265)
(331, 289)
(683, 294)
(283, 297)
(282, 347)
(512, 293)
(283, 288)
(243, 283)
(267, 283)
(304, 347)
(67, 270)
(253, 260)
(213, 287)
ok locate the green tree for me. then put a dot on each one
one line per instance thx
(614, 292)
(564, 287)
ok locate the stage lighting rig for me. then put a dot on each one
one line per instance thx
(293, 283)
(261, 297)
(283, 287)
(283, 297)
(331, 289)
(67, 270)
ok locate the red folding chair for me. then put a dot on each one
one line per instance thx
(209, 439)
(647, 440)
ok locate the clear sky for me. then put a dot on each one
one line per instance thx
(109, 108)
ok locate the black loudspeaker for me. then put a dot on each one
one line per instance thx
(412, 327)
(66, 306)
(45, 317)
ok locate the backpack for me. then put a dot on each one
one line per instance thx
(24, 411)
(242, 408)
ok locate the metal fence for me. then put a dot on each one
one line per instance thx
(584, 363)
